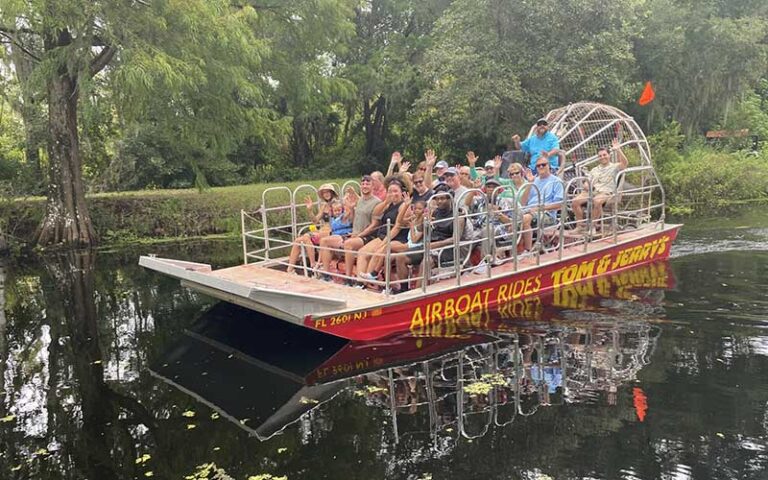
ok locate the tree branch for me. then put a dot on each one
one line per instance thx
(13, 40)
(102, 59)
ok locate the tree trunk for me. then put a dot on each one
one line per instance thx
(373, 124)
(302, 151)
(67, 220)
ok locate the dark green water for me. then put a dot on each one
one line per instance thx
(110, 371)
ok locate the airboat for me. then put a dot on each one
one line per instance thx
(631, 231)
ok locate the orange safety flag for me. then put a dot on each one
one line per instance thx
(641, 402)
(648, 95)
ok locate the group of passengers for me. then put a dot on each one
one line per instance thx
(390, 211)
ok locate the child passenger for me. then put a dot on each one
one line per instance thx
(340, 222)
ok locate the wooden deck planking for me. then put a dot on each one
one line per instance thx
(278, 280)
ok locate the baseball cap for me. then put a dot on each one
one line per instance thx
(542, 121)
(450, 171)
(442, 187)
(490, 163)
(492, 181)
(441, 164)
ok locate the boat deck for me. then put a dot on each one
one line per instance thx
(261, 275)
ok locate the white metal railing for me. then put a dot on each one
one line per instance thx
(273, 230)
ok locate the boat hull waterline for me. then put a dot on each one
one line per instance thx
(462, 307)
(449, 307)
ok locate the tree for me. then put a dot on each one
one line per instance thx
(76, 40)
(701, 57)
(498, 65)
(384, 60)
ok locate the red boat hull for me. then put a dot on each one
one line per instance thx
(461, 308)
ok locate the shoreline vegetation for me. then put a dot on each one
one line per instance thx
(699, 181)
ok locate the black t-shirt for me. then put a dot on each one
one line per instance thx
(422, 197)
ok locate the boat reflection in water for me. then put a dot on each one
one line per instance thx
(465, 375)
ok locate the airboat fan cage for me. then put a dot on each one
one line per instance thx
(585, 127)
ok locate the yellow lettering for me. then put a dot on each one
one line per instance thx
(465, 309)
(502, 296)
(417, 322)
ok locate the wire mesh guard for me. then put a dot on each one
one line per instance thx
(584, 127)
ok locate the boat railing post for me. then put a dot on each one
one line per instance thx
(304, 259)
(245, 239)
(539, 226)
(489, 237)
(563, 219)
(516, 216)
(615, 200)
(266, 233)
(425, 259)
(388, 259)
(588, 215)
(457, 236)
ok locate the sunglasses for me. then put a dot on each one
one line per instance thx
(541, 165)
(423, 169)
(516, 172)
(418, 182)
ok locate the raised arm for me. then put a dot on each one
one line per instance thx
(431, 159)
(616, 147)
(472, 161)
(395, 160)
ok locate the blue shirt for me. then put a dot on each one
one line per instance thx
(339, 226)
(535, 144)
(551, 190)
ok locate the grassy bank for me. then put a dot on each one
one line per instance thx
(154, 215)
(700, 182)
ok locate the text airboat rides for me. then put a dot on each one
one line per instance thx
(506, 293)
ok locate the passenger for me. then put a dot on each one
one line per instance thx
(368, 262)
(441, 235)
(421, 192)
(550, 188)
(340, 226)
(603, 178)
(465, 177)
(516, 184)
(360, 209)
(501, 210)
(480, 215)
(379, 190)
(491, 168)
(328, 195)
(542, 143)
(452, 180)
(363, 225)
(440, 167)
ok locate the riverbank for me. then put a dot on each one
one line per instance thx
(154, 216)
(162, 216)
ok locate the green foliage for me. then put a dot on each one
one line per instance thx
(666, 145)
(496, 66)
(708, 182)
(702, 56)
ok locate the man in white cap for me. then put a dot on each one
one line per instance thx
(542, 143)
(491, 167)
